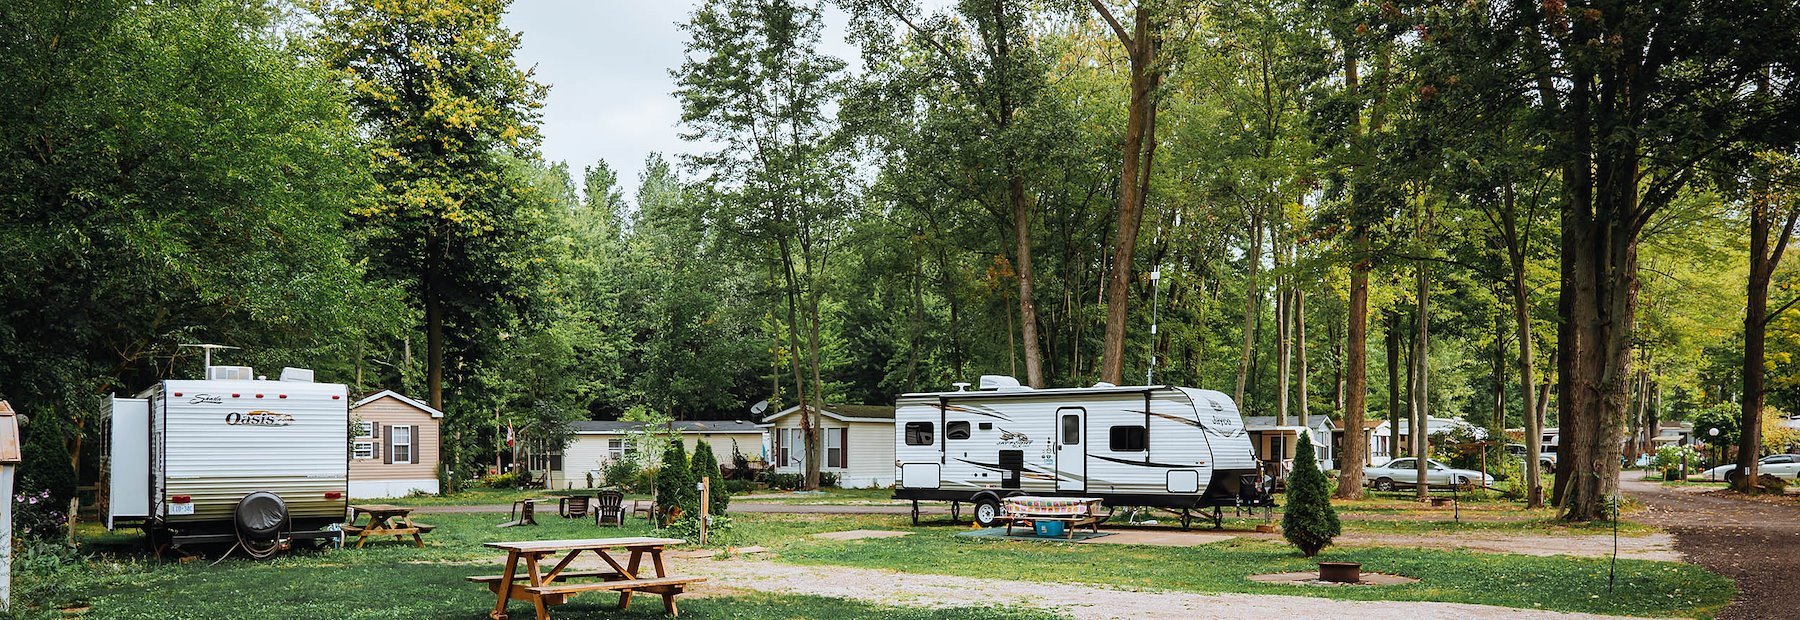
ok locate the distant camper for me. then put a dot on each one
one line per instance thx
(233, 458)
(1160, 446)
(393, 446)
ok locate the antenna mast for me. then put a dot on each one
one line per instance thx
(207, 350)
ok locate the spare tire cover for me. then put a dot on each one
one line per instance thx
(261, 514)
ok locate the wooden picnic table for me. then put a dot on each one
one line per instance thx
(547, 588)
(385, 520)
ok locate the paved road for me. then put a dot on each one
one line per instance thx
(1755, 543)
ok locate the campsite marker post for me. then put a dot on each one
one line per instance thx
(9, 463)
(705, 506)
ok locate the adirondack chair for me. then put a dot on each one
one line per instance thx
(575, 507)
(610, 510)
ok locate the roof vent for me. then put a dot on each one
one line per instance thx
(297, 375)
(1001, 383)
(961, 386)
(230, 373)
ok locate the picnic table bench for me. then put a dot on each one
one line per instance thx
(553, 587)
(1074, 512)
(385, 520)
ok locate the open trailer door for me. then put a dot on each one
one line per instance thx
(128, 485)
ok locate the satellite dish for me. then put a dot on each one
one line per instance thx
(759, 407)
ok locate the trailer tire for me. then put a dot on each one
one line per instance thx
(987, 511)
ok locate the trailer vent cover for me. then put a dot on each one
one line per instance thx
(261, 515)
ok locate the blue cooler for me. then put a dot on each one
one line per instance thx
(1049, 528)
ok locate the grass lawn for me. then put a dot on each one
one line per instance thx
(824, 496)
(1559, 583)
(486, 496)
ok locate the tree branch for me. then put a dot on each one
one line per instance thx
(1106, 14)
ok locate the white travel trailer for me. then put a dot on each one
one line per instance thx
(1155, 446)
(233, 458)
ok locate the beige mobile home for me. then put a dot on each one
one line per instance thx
(856, 443)
(393, 446)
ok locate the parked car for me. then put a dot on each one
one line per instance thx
(1403, 473)
(1546, 460)
(1781, 465)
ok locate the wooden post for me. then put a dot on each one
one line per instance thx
(705, 506)
(9, 462)
(1482, 446)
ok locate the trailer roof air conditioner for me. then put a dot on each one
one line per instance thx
(1001, 383)
(300, 375)
(230, 373)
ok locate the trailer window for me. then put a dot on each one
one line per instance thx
(919, 434)
(1071, 429)
(956, 430)
(1129, 438)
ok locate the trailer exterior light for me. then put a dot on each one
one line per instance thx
(259, 396)
(333, 495)
(178, 394)
(180, 499)
(335, 397)
(283, 396)
(234, 395)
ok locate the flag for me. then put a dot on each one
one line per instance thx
(509, 435)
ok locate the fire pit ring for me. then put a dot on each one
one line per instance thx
(1340, 572)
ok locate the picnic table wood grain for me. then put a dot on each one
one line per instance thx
(543, 589)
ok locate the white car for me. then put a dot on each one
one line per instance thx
(1403, 473)
(1780, 465)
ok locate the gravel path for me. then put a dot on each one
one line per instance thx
(1084, 602)
(1755, 543)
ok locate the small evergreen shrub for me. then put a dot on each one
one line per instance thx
(1309, 521)
(740, 487)
(706, 465)
(675, 484)
(624, 474)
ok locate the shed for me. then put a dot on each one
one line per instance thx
(394, 446)
(9, 466)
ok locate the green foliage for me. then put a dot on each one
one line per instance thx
(1724, 417)
(1308, 520)
(706, 465)
(507, 480)
(675, 484)
(1672, 457)
(625, 474)
(737, 486)
(688, 528)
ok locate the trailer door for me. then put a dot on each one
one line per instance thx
(129, 460)
(1071, 451)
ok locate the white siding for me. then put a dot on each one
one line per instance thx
(871, 451)
(588, 453)
(217, 462)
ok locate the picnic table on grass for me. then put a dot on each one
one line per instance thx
(553, 587)
(385, 520)
(1074, 512)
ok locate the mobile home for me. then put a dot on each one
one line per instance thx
(231, 458)
(1157, 446)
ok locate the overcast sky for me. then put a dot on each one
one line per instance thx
(607, 64)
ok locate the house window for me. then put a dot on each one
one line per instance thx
(621, 448)
(956, 430)
(363, 450)
(1129, 438)
(834, 447)
(919, 434)
(400, 443)
(365, 429)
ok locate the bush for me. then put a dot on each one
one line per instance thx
(46, 575)
(740, 487)
(828, 479)
(688, 528)
(1670, 458)
(38, 516)
(1309, 522)
(675, 484)
(508, 480)
(624, 474)
(706, 465)
(46, 484)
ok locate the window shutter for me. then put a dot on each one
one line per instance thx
(387, 456)
(844, 447)
(412, 450)
(776, 452)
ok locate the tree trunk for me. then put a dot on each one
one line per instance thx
(808, 432)
(1355, 390)
(1299, 313)
(1142, 46)
(1421, 426)
(1534, 431)
(1252, 295)
(1393, 375)
(1283, 332)
(1763, 262)
(434, 349)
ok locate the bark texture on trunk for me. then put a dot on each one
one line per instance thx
(1421, 424)
(1763, 261)
(1252, 298)
(1355, 390)
(1142, 46)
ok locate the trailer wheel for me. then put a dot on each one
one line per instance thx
(987, 511)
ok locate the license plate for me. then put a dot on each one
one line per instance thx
(181, 509)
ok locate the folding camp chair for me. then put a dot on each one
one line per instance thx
(610, 510)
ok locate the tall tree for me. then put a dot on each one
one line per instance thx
(755, 84)
(1143, 44)
(437, 91)
(1767, 244)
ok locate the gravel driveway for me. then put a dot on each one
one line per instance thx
(1755, 543)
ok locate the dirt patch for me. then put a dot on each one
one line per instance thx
(860, 534)
(1084, 602)
(1752, 542)
(1312, 579)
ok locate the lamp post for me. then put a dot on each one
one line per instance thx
(1712, 473)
